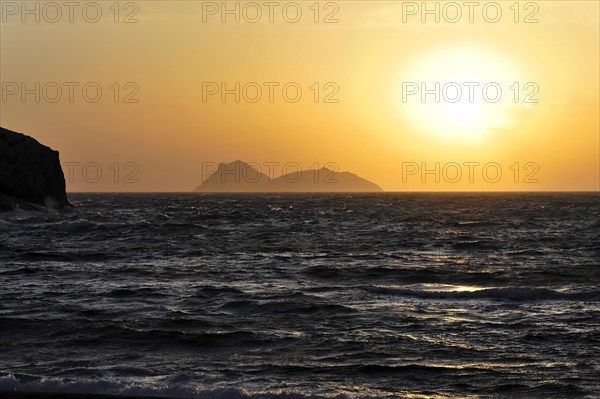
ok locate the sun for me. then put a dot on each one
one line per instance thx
(459, 94)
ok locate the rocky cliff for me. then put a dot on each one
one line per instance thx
(30, 174)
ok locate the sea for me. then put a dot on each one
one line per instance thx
(226, 296)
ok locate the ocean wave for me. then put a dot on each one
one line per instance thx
(29, 383)
(4, 225)
(321, 271)
(251, 307)
(84, 225)
(77, 225)
(474, 245)
(507, 293)
(41, 256)
(407, 275)
(145, 292)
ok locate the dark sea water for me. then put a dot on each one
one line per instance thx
(228, 296)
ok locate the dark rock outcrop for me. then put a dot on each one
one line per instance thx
(30, 174)
(241, 177)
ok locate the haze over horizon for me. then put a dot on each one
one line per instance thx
(360, 69)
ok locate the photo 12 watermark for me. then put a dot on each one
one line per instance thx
(454, 92)
(255, 172)
(94, 172)
(470, 172)
(270, 92)
(453, 12)
(69, 92)
(252, 12)
(53, 12)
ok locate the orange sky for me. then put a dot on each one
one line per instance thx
(365, 64)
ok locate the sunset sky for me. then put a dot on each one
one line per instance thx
(365, 65)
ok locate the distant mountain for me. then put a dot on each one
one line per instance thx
(323, 180)
(239, 176)
(236, 176)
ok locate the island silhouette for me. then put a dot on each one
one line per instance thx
(241, 177)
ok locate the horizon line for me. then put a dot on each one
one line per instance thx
(333, 192)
